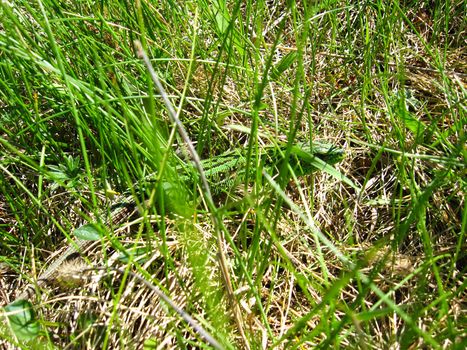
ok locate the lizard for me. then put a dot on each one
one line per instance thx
(219, 170)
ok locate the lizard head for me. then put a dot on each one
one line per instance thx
(328, 153)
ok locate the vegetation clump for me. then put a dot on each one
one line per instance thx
(364, 249)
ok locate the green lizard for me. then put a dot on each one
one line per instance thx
(228, 169)
(223, 172)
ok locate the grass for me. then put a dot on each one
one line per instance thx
(377, 261)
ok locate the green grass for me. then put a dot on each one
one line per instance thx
(313, 261)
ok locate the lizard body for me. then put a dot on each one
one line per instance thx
(221, 171)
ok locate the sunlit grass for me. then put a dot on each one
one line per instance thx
(372, 260)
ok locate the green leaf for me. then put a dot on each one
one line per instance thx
(283, 65)
(409, 120)
(22, 320)
(263, 106)
(150, 344)
(89, 232)
(412, 123)
(323, 166)
(222, 22)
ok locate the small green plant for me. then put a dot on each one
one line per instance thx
(21, 317)
(70, 174)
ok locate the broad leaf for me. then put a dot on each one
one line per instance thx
(22, 319)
